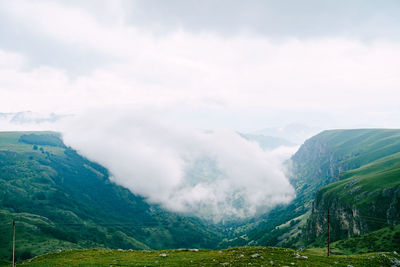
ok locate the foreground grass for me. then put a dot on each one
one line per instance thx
(244, 256)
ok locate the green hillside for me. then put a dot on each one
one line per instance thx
(360, 186)
(243, 256)
(384, 239)
(364, 163)
(366, 194)
(323, 158)
(60, 200)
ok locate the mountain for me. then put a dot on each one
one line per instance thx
(365, 196)
(60, 200)
(268, 142)
(295, 132)
(24, 117)
(353, 173)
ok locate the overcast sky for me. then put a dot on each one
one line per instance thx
(208, 64)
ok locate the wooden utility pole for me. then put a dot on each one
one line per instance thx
(13, 256)
(329, 233)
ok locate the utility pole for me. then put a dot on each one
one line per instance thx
(329, 233)
(13, 243)
(13, 256)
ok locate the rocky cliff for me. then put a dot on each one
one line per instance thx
(364, 169)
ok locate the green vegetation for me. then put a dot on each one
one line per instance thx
(329, 157)
(9, 141)
(365, 197)
(323, 158)
(61, 200)
(385, 239)
(42, 139)
(361, 186)
(244, 256)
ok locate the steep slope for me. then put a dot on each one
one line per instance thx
(384, 239)
(61, 200)
(322, 160)
(323, 157)
(366, 199)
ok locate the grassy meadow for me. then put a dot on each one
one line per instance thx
(243, 256)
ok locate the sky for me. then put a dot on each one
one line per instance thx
(166, 71)
(247, 65)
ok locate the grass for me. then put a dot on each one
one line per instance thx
(243, 256)
(387, 239)
(28, 233)
(360, 186)
(9, 141)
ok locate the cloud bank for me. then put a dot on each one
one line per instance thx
(211, 174)
(214, 174)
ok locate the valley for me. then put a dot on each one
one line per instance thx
(62, 201)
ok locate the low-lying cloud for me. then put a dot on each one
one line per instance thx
(214, 174)
(211, 174)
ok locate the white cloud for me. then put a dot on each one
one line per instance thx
(321, 75)
(9, 60)
(215, 175)
(200, 69)
(212, 174)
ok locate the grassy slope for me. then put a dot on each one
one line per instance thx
(322, 160)
(244, 256)
(61, 200)
(361, 185)
(366, 186)
(9, 141)
(347, 149)
(325, 156)
(385, 239)
(370, 190)
(30, 240)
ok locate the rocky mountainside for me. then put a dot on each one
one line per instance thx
(322, 158)
(354, 173)
(362, 168)
(364, 200)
